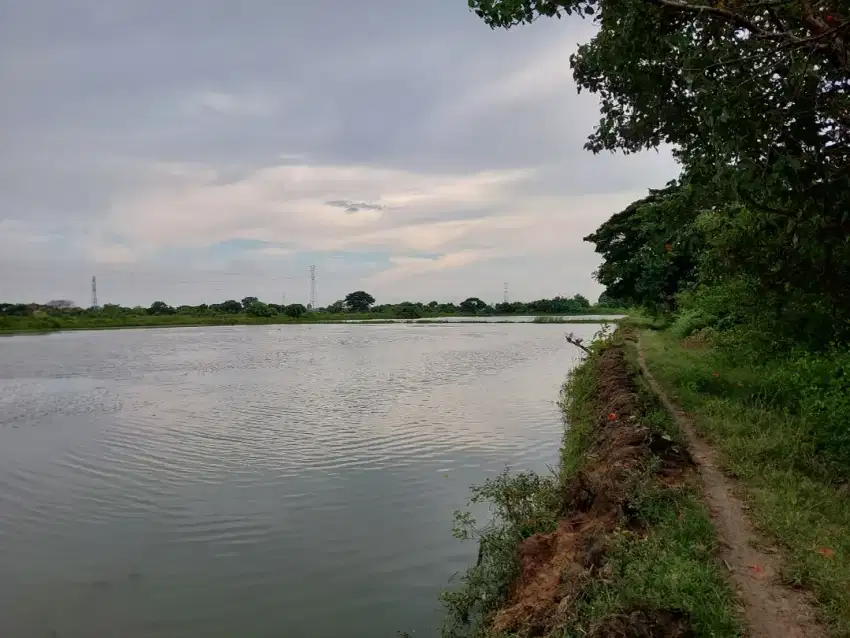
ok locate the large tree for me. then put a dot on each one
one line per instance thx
(651, 249)
(473, 305)
(753, 97)
(359, 301)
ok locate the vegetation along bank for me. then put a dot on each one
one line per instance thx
(359, 305)
(691, 526)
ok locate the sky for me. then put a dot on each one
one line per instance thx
(202, 150)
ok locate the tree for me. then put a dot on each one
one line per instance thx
(582, 301)
(754, 98)
(60, 304)
(295, 310)
(650, 249)
(247, 301)
(230, 306)
(407, 310)
(259, 309)
(336, 307)
(359, 301)
(472, 305)
(160, 308)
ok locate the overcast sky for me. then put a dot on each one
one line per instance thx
(208, 149)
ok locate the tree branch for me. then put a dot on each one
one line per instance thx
(578, 342)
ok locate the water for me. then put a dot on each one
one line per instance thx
(491, 319)
(257, 481)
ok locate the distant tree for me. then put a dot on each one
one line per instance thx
(60, 304)
(259, 309)
(583, 301)
(231, 306)
(160, 308)
(359, 301)
(16, 309)
(473, 304)
(295, 310)
(336, 307)
(247, 301)
(112, 309)
(407, 310)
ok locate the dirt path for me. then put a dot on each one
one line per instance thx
(771, 610)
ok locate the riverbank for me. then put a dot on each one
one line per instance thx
(617, 541)
(47, 324)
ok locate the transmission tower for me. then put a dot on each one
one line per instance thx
(312, 287)
(506, 292)
(94, 292)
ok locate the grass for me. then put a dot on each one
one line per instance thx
(671, 562)
(794, 498)
(659, 562)
(669, 566)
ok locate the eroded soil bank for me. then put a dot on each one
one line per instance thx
(617, 542)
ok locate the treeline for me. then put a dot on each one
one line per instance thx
(60, 314)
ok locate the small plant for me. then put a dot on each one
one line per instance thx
(521, 505)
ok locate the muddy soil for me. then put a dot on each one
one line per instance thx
(555, 566)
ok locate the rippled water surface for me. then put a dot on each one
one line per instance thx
(257, 481)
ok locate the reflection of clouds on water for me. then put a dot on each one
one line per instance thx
(299, 463)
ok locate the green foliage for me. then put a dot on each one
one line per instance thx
(782, 429)
(295, 310)
(160, 308)
(753, 98)
(472, 305)
(407, 310)
(670, 567)
(359, 301)
(650, 249)
(521, 505)
(61, 315)
(259, 309)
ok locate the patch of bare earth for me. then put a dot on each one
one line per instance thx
(771, 609)
(555, 566)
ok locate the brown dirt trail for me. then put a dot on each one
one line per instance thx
(771, 609)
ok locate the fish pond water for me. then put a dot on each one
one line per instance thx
(257, 481)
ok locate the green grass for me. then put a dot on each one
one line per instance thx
(794, 496)
(671, 562)
(670, 566)
(667, 562)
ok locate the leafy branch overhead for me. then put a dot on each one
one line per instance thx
(752, 96)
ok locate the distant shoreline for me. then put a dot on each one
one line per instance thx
(192, 322)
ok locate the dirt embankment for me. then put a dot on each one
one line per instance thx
(556, 567)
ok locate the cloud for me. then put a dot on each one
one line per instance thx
(233, 104)
(414, 151)
(353, 207)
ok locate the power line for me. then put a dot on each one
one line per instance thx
(312, 287)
